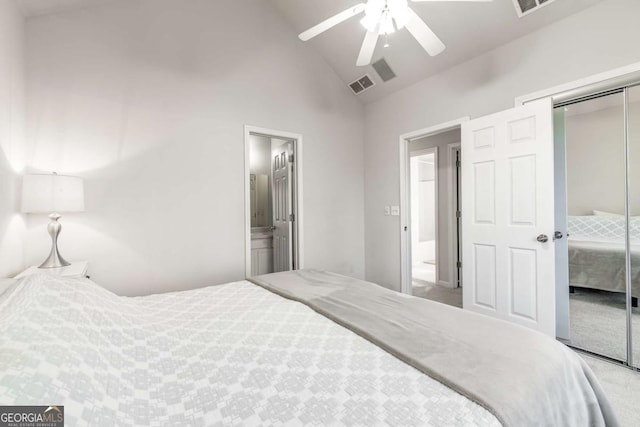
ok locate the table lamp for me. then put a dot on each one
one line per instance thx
(52, 194)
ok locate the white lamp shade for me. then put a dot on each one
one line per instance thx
(52, 193)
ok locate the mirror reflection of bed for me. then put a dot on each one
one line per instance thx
(597, 226)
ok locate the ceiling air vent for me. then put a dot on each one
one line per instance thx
(525, 7)
(362, 84)
(384, 71)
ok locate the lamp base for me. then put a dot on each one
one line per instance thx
(54, 260)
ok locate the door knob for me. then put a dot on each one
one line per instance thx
(543, 238)
(557, 235)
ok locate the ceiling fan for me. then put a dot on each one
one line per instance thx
(384, 17)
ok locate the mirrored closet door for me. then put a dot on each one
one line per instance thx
(595, 179)
(633, 95)
(602, 148)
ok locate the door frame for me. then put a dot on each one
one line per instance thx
(418, 153)
(454, 272)
(405, 205)
(298, 228)
(595, 83)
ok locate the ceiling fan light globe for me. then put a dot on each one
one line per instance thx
(374, 7)
(369, 22)
(386, 25)
(385, 16)
(373, 14)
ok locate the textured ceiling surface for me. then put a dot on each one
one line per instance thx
(45, 7)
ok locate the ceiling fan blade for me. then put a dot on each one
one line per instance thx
(331, 22)
(423, 34)
(367, 49)
(420, 1)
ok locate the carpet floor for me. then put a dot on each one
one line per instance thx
(621, 384)
(598, 323)
(438, 293)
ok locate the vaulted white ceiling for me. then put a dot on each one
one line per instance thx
(467, 29)
(44, 7)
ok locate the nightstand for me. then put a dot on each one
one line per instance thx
(75, 270)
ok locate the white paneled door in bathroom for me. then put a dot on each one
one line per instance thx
(282, 206)
(508, 216)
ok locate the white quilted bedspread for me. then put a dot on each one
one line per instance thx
(233, 354)
(603, 229)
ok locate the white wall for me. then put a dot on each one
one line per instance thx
(596, 158)
(12, 224)
(600, 38)
(147, 100)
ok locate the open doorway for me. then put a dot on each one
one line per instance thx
(273, 191)
(430, 210)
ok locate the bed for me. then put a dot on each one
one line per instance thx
(294, 348)
(597, 253)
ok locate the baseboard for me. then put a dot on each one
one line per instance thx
(440, 283)
(421, 282)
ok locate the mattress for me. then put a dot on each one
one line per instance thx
(234, 354)
(597, 253)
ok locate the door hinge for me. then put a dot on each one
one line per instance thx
(458, 163)
(290, 158)
(458, 214)
(459, 264)
(292, 217)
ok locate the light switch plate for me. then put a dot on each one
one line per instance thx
(387, 210)
(395, 210)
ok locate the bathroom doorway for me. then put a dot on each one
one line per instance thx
(273, 190)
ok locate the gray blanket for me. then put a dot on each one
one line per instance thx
(523, 377)
(601, 265)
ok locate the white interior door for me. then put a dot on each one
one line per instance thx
(282, 207)
(508, 216)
